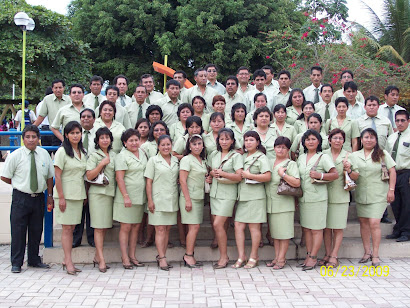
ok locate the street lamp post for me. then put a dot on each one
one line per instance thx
(26, 23)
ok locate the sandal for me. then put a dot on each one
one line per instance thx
(323, 261)
(261, 244)
(303, 263)
(310, 267)
(271, 264)
(136, 263)
(147, 244)
(365, 260)
(220, 266)
(280, 265)
(252, 263)
(239, 263)
(164, 268)
(332, 264)
(375, 264)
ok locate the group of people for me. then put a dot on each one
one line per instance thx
(155, 160)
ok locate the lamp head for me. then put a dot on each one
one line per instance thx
(21, 19)
(31, 25)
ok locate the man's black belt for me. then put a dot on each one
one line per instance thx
(402, 171)
(30, 195)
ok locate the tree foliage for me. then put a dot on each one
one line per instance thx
(52, 52)
(127, 36)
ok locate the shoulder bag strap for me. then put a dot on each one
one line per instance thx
(143, 151)
(316, 163)
(254, 161)
(223, 163)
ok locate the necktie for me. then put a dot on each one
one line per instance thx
(85, 142)
(33, 174)
(327, 113)
(96, 103)
(374, 124)
(390, 116)
(147, 99)
(316, 99)
(139, 112)
(122, 101)
(395, 147)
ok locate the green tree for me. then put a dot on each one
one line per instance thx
(127, 36)
(52, 51)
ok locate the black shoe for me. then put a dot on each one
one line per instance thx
(76, 245)
(392, 236)
(39, 265)
(16, 269)
(92, 244)
(403, 238)
(386, 220)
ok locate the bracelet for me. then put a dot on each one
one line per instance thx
(391, 189)
(126, 195)
(321, 178)
(283, 175)
(49, 195)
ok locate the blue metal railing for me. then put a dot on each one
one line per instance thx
(48, 216)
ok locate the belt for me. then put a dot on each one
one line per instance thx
(402, 171)
(30, 195)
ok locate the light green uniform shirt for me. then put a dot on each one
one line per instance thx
(269, 142)
(300, 126)
(354, 112)
(403, 150)
(280, 98)
(125, 98)
(384, 110)
(91, 137)
(176, 130)
(205, 121)
(232, 100)
(281, 203)
(210, 143)
(164, 182)
(18, 165)
(249, 88)
(239, 133)
(320, 108)
(313, 192)
(196, 176)
(291, 115)
(51, 105)
(154, 97)
(133, 110)
(383, 125)
(116, 129)
(208, 96)
(350, 128)
(287, 131)
(72, 177)
(66, 114)
(297, 143)
(370, 187)
(121, 115)
(339, 93)
(150, 147)
(218, 87)
(261, 165)
(250, 103)
(89, 100)
(231, 165)
(92, 162)
(335, 189)
(134, 179)
(169, 109)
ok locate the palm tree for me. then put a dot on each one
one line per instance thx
(390, 37)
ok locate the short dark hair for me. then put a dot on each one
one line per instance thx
(259, 111)
(230, 133)
(162, 137)
(97, 78)
(326, 85)
(317, 116)
(260, 94)
(181, 72)
(289, 102)
(285, 72)
(191, 120)
(232, 77)
(188, 148)
(279, 107)
(201, 69)
(87, 110)
(255, 135)
(215, 115)
(218, 98)
(390, 89)
(346, 71)
(77, 85)
(236, 107)
(268, 67)
(112, 87)
(31, 128)
(141, 86)
(371, 98)
(152, 108)
(342, 99)
(57, 81)
(142, 120)
(119, 76)
(106, 103)
(242, 68)
(282, 140)
(210, 65)
(151, 130)
(402, 112)
(184, 106)
(127, 134)
(335, 132)
(316, 68)
(305, 103)
(200, 98)
(308, 133)
(172, 82)
(100, 132)
(259, 73)
(350, 85)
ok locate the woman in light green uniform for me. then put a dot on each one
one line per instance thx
(281, 208)
(107, 112)
(372, 193)
(238, 125)
(226, 164)
(193, 127)
(178, 129)
(338, 200)
(192, 173)
(130, 195)
(199, 105)
(349, 126)
(157, 129)
(294, 105)
(262, 118)
(280, 126)
(162, 180)
(69, 191)
(217, 122)
(313, 203)
(101, 198)
(314, 123)
(251, 208)
(301, 124)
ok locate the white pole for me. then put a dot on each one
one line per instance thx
(14, 91)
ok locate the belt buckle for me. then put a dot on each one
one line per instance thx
(33, 195)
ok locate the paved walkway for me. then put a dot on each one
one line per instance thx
(183, 287)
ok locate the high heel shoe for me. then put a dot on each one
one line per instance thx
(279, 265)
(239, 263)
(74, 272)
(365, 260)
(252, 263)
(75, 269)
(136, 263)
(323, 261)
(186, 264)
(164, 268)
(127, 266)
(310, 267)
(95, 262)
(220, 266)
(332, 264)
(375, 264)
(299, 265)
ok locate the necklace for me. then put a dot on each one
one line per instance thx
(263, 134)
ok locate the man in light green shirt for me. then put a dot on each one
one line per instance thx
(53, 102)
(137, 109)
(380, 124)
(346, 76)
(270, 84)
(212, 71)
(282, 95)
(244, 76)
(356, 108)
(69, 112)
(147, 80)
(121, 82)
(201, 89)
(95, 98)
(170, 103)
(324, 108)
(259, 78)
(181, 77)
(389, 109)
(232, 96)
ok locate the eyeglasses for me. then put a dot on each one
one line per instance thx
(159, 130)
(211, 71)
(231, 83)
(337, 138)
(400, 120)
(76, 92)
